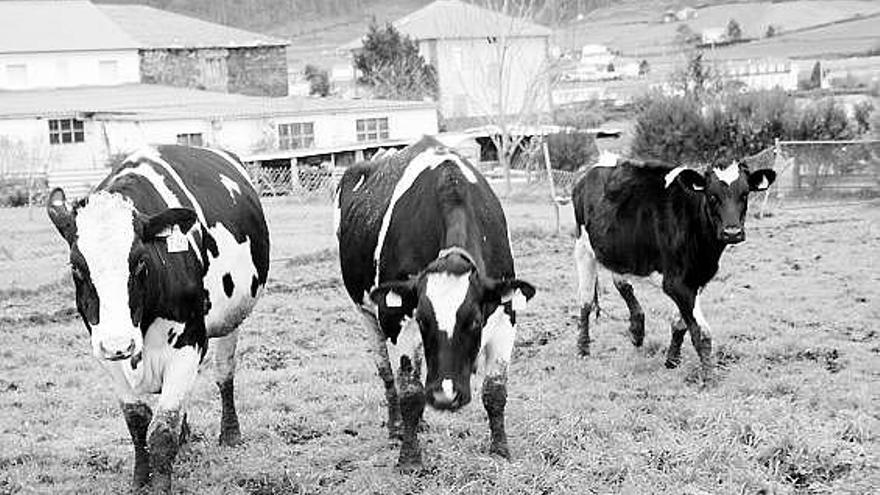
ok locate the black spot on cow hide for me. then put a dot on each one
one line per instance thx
(228, 285)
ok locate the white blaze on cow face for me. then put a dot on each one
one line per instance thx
(673, 174)
(105, 228)
(728, 175)
(446, 292)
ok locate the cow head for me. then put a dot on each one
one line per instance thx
(451, 301)
(113, 258)
(726, 192)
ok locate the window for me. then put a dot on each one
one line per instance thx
(296, 135)
(372, 129)
(66, 131)
(16, 75)
(108, 71)
(213, 72)
(190, 139)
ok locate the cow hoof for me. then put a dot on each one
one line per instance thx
(501, 450)
(231, 438)
(637, 335)
(583, 351)
(409, 462)
(672, 363)
(423, 426)
(161, 484)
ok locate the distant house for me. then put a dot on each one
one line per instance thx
(177, 50)
(686, 13)
(465, 44)
(760, 74)
(668, 16)
(713, 36)
(596, 56)
(55, 44)
(69, 135)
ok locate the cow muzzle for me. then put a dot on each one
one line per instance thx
(733, 235)
(116, 348)
(445, 395)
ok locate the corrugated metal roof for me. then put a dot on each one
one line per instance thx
(142, 102)
(155, 28)
(453, 19)
(58, 26)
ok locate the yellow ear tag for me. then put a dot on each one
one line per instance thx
(176, 241)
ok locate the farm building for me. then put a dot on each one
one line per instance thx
(53, 44)
(177, 50)
(70, 135)
(760, 74)
(464, 43)
(57, 44)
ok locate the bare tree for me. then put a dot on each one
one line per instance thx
(506, 83)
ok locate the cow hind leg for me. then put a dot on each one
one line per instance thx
(636, 314)
(587, 268)
(412, 405)
(138, 417)
(379, 351)
(224, 364)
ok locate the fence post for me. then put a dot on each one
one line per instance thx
(546, 150)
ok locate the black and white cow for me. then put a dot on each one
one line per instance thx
(170, 250)
(426, 259)
(636, 218)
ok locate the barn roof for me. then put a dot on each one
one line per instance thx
(155, 28)
(56, 26)
(453, 19)
(142, 102)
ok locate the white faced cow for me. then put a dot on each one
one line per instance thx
(422, 237)
(171, 250)
(637, 218)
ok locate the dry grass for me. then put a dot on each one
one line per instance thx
(794, 408)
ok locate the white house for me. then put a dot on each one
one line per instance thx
(69, 135)
(487, 63)
(47, 44)
(760, 74)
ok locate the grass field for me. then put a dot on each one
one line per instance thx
(794, 409)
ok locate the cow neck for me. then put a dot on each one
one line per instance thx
(702, 245)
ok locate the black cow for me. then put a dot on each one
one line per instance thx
(170, 250)
(637, 218)
(423, 237)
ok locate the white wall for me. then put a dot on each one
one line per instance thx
(65, 69)
(468, 72)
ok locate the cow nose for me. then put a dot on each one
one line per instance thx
(118, 353)
(733, 235)
(446, 397)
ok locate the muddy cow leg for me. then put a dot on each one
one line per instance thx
(163, 434)
(497, 348)
(379, 351)
(686, 299)
(412, 405)
(138, 416)
(587, 268)
(673, 354)
(224, 365)
(636, 314)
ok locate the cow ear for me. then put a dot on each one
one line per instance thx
(692, 180)
(517, 292)
(397, 296)
(760, 180)
(154, 225)
(61, 214)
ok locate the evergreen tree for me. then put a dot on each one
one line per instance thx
(390, 63)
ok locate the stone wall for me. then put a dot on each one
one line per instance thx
(255, 71)
(258, 71)
(188, 68)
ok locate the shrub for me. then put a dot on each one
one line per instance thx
(734, 31)
(580, 116)
(571, 150)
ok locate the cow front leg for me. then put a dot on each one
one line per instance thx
(224, 365)
(137, 417)
(636, 314)
(379, 351)
(587, 268)
(686, 298)
(496, 349)
(673, 354)
(163, 434)
(412, 405)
